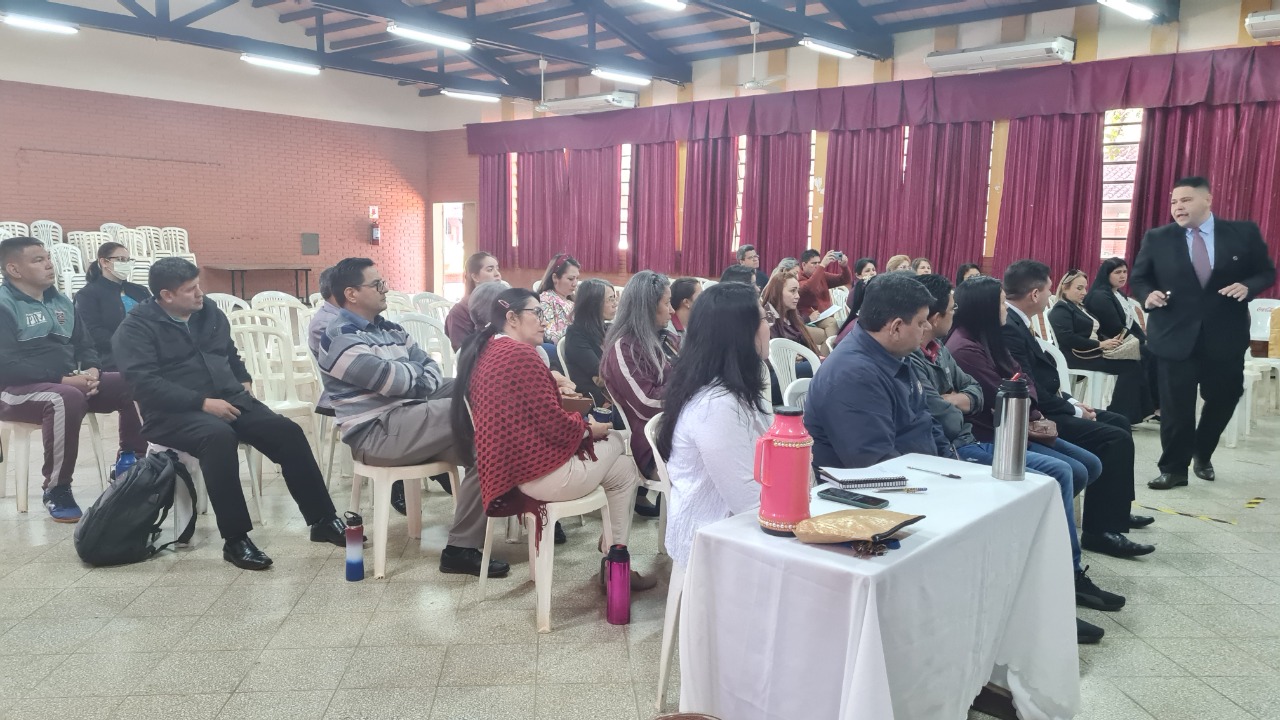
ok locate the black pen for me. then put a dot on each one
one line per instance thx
(934, 472)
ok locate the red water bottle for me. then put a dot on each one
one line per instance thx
(618, 586)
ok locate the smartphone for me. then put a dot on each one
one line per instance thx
(848, 497)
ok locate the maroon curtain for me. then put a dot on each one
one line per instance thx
(595, 206)
(494, 207)
(542, 206)
(943, 211)
(1236, 147)
(863, 190)
(710, 199)
(1052, 204)
(1215, 77)
(651, 214)
(775, 197)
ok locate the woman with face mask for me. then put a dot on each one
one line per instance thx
(107, 297)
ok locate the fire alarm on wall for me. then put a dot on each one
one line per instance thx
(373, 212)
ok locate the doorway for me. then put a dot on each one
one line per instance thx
(455, 237)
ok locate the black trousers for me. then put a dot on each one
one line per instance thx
(1132, 397)
(213, 442)
(1220, 378)
(1109, 500)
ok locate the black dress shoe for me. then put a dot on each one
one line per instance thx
(466, 561)
(1204, 471)
(646, 508)
(1168, 481)
(443, 480)
(1093, 597)
(561, 538)
(397, 497)
(244, 554)
(332, 531)
(1114, 544)
(1088, 633)
(1140, 521)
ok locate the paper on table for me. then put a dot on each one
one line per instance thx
(824, 315)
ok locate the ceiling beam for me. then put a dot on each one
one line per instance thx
(876, 44)
(133, 7)
(898, 6)
(851, 14)
(547, 9)
(154, 28)
(989, 13)
(494, 35)
(300, 15)
(204, 11)
(630, 34)
(265, 3)
(342, 26)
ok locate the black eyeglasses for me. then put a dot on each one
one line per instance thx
(380, 285)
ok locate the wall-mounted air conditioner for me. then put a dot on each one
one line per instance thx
(1263, 25)
(616, 100)
(1008, 55)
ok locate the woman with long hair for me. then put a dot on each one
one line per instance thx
(528, 450)
(107, 297)
(977, 344)
(781, 298)
(559, 283)
(966, 271)
(1078, 335)
(638, 352)
(684, 293)
(481, 268)
(715, 415)
(922, 266)
(1117, 314)
(596, 305)
(864, 269)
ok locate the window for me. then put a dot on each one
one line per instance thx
(1121, 133)
(624, 163)
(515, 236)
(813, 161)
(906, 143)
(742, 185)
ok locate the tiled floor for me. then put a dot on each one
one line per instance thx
(186, 635)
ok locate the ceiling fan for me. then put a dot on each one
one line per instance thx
(756, 82)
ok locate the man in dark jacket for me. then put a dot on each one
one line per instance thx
(49, 372)
(194, 392)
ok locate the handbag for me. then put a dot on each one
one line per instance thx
(1042, 431)
(1128, 349)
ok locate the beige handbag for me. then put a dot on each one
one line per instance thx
(1128, 349)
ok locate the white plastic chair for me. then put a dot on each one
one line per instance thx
(796, 392)
(428, 332)
(670, 623)
(661, 484)
(155, 241)
(782, 355)
(422, 301)
(15, 446)
(228, 304)
(1260, 318)
(537, 285)
(1242, 419)
(141, 272)
(705, 283)
(175, 240)
(135, 242)
(315, 299)
(87, 241)
(112, 230)
(382, 479)
(10, 228)
(268, 354)
(564, 364)
(838, 298)
(68, 266)
(831, 344)
(46, 231)
(399, 303)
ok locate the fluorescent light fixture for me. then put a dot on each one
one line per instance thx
(280, 64)
(463, 95)
(675, 5)
(31, 23)
(621, 77)
(445, 41)
(1132, 9)
(828, 48)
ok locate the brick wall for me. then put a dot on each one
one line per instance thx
(244, 184)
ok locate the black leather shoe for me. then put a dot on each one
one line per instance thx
(1114, 544)
(1168, 481)
(561, 538)
(244, 554)
(646, 508)
(1088, 633)
(1093, 597)
(443, 480)
(1140, 521)
(1204, 471)
(466, 561)
(332, 531)
(397, 497)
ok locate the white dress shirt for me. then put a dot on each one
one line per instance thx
(1075, 404)
(1206, 231)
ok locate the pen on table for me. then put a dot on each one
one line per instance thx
(935, 472)
(902, 490)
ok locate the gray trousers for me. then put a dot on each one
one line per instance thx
(419, 433)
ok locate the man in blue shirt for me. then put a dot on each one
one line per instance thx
(865, 405)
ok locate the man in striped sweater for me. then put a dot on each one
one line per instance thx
(392, 402)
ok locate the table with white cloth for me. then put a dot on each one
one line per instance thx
(979, 591)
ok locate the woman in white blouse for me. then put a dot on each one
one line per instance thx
(714, 413)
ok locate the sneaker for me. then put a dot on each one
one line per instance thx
(1088, 633)
(125, 460)
(62, 506)
(1091, 596)
(397, 497)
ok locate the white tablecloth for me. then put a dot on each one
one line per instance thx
(981, 589)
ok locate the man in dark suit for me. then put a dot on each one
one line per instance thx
(1106, 434)
(1194, 276)
(748, 257)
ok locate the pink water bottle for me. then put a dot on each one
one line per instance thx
(783, 457)
(355, 547)
(618, 586)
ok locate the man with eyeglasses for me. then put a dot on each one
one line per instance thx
(749, 258)
(393, 402)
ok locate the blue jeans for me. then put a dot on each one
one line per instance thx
(982, 453)
(1085, 466)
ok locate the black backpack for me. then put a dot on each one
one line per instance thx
(124, 523)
